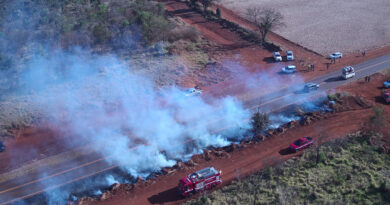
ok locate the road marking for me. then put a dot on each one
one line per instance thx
(95, 161)
(367, 67)
(58, 185)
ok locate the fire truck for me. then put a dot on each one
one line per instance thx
(206, 178)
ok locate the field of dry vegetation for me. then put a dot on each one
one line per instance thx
(328, 25)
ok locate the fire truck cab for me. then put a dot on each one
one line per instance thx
(206, 178)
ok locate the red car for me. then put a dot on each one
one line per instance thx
(386, 96)
(301, 143)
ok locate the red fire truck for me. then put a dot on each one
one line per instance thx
(206, 178)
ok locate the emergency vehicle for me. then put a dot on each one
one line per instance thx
(206, 178)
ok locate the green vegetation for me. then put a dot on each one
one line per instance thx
(350, 171)
(81, 22)
(378, 120)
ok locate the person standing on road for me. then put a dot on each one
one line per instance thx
(363, 53)
(313, 67)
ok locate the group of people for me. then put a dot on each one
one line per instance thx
(310, 67)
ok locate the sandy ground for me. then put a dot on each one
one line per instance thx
(328, 25)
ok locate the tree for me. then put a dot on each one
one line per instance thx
(265, 20)
(218, 12)
(259, 122)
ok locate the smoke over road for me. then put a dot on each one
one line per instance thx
(102, 102)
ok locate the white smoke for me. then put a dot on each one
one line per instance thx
(135, 126)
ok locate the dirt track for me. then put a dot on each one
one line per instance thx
(254, 157)
(243, 161)
(255, 58)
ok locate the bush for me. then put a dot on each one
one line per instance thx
(259, 122)
(378, 120)
(187, 33)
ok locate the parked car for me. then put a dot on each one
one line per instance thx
(386, 96)
(289, 56)
(193, 91)
(289, 69)
(336, 55)
(2, 147)
(310, 86)
(301, 144)
(386, 84)
(277, 56)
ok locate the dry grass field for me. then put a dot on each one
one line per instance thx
(329, 25)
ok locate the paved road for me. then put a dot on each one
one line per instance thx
(32, 184)
(293, 94)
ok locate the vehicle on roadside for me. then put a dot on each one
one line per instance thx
(2, 146)
(310, 86)
(277, 56)
(386, 84)
(301, 143)
(193, 91)
(336, 55)
(386, 96)
(289, 56)
(289, 69)
(348, 72)
(200, 180)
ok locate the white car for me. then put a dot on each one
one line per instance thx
(277, 56)
(193, 92)
(310, 86)
(336, 55)
(289, 69)
(289, 55)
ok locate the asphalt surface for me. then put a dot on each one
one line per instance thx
(34, 183)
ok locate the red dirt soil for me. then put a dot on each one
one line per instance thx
(250, 159)
(254, 58)
(30, 144)
(255, 157)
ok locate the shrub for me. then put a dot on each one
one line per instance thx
(378, 120)
(259, 122)
(187, 33)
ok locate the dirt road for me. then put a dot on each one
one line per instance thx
(229, 47)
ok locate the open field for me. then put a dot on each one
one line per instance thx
(329, 25)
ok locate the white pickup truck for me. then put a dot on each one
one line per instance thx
(348, 72)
